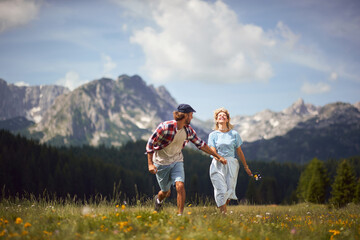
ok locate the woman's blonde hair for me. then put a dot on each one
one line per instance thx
(216, 113)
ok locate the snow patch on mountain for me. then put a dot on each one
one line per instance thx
(268, 124)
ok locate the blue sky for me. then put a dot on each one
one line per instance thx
(246, 56)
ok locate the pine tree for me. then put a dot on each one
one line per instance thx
(319, 183)
(251, 195)
(313, 182)
(343, 188)
(357, 192)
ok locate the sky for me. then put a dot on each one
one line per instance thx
(246, 56)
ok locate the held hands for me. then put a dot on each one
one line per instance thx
(222, 160)
(152, 169)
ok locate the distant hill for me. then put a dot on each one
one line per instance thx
(16, 124)
(30, 102)
(113, 112)
(333, 133)
(106, 111)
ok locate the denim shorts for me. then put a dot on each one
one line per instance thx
(169, 174)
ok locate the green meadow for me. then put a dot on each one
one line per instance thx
(69, 219)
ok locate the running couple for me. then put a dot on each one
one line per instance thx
(165, 158)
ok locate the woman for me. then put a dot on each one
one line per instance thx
(225, 141)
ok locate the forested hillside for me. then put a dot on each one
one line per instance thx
(27, 166)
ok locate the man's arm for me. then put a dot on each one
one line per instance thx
(212, 152)
(151, 166)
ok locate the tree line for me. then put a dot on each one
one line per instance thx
(26, 166)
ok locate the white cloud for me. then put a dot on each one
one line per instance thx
(15, 13)
(290, 38)
(197, 40)
(315, 88)
(71, 80)
(108, 65)
(333, 76)
(22, 84)
(124, 27)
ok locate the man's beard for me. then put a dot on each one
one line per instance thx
(187, 121)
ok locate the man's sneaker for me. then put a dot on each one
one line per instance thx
(158, 204)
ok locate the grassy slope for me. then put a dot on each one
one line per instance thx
(70, 220)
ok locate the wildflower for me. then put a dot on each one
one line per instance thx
(123, 207)
(24, 233)
(26, 225)
(189, 205)
(189, 213)
(47, 233)
(154, 212)
(117, 205)
(122, 224)
(334, 232)
(18, 220)
(85, 211)
(104, 217)
(11, 235)
(2, 233)
(138, 217)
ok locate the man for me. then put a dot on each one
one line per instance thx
(165, 158)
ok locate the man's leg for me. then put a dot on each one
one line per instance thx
(162, 195)
(180, 189)
(163, 178)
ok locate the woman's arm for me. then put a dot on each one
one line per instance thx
(243, 161)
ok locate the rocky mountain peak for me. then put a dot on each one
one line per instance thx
(300, 108)
(357, 105)
(106, 111)
(30, 102)
(134, 82)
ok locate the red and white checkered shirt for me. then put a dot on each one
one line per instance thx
(165, 133)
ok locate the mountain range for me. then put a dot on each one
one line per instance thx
(113, 112)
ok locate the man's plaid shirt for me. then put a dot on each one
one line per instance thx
(165, 133)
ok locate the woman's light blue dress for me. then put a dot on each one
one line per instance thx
(224, 177)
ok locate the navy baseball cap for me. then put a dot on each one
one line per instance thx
(185, 108)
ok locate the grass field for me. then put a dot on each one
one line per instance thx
(31, 219)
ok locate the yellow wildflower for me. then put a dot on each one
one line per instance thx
(334, 232)
(117, 206)
(138, 217)
(47, 233)
(26, 225)
(123, 207)
(18, 220)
